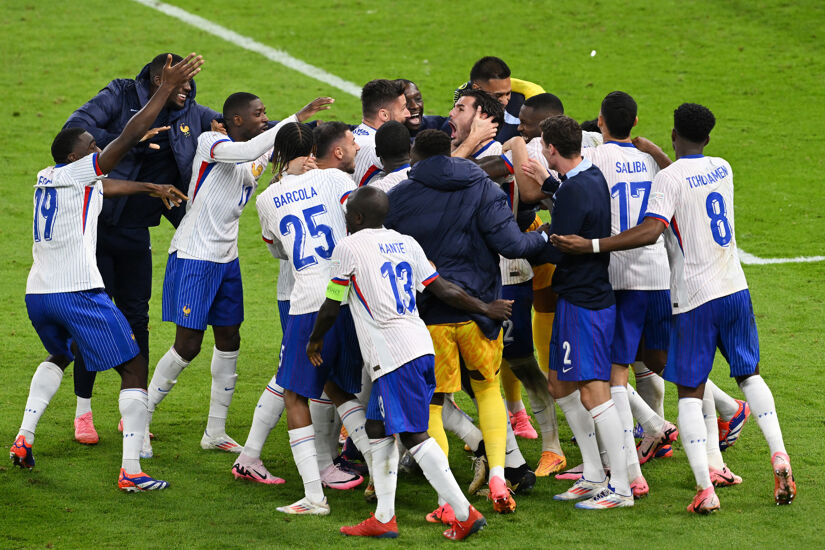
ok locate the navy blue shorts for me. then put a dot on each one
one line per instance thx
(401, 398)
(726, 323)
(580, 344)
(197, 293)
(518, 329)
(283, 313)
(90, 319)
(297, 374)
(640, 313)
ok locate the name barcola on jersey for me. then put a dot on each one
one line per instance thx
(297, 195)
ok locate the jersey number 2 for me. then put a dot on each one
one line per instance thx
(45, 205)
(315, 230)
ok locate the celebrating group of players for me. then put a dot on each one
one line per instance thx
(412, 265)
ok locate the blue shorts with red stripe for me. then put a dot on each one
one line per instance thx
(580, 344)
(197, 293)
(297, 374)
(726, 323)
(518, 329)
(401, 398)
(90, 319)
(640, 313)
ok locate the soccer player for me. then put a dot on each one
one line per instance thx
(692, 204)
(385, 269)
(462, 220)
(418, 121)
(472, 107)
(65, 299)
(381, 101)
(492, 75)
(335, 148)
(202, 285)
(163, 156)
(585, 317)
(303, 217)
(392, 145)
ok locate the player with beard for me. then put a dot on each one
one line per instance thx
(381, 101)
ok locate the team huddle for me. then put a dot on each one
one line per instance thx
(412, 265)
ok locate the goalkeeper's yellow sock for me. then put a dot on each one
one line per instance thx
(436, 428)
(512, 388)
(492, 418)
(542, 331)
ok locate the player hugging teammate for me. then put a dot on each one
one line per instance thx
(410, 257)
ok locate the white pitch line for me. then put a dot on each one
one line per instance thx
(750, 259)
(278, 56)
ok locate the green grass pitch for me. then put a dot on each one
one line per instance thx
(758, 65)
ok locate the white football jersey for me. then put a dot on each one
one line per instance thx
(305, 214)
(368, 166)
(286, 280)
(364, 134)
(388, 181)
(384, 270)
(67, 201)
(629, 174)
(694, 198)
(218, 193)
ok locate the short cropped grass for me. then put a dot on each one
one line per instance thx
(758, 65)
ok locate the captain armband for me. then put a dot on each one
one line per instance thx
(337, 290)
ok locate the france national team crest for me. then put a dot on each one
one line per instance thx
(186, 310)
(184, 128)
(257, 170)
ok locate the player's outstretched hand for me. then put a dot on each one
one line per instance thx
(179, 73)
(483, 128)
(572, 244)
(169, 194)
(499, 310)
(314, 352)
(644, 145)
(535, 170)
(152, 133)
(313, 107)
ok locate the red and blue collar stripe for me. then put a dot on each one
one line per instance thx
(371, 173)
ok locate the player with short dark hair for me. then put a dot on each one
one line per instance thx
(65, 299)
(692, 204)
(381, 101)
(392, 145)
(418, 121)
(473, 119)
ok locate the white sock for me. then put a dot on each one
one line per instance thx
(544, 411)
(512, 454)
(581, 423)
(715, 459)
(165, 377)
(353, 415)
(224, 367)
(619, 394)
(610, 434)
(43, 386)
(84, 405)
(651, 387)
(384, 470)
(460, 424)
(436, 468)
(725, 404)
(267, 413)
(302, 441)
(325, 423)
(515, 406)
(651, 422)
(133, 405)
(694, 437)
(760, 400)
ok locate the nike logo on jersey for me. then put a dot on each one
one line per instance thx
(568, 369)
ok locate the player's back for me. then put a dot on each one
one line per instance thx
(218, 193)
(700, 239)
(305, 214)
(629, 174)
(390, 180)
(387, 268)
(67, 201)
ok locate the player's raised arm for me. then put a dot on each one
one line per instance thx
(172, 77)
(646, 146)
(169, 194)
(643, 234)
(454, 295)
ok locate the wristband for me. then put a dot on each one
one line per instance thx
(595, 246)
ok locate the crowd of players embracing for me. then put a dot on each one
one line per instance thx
(413, 265)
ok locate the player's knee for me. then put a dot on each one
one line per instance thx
(655, 360)
(60, 360)
(411, 439)
(228, 339)
(188, 349)
(134, 373)
(375, 429)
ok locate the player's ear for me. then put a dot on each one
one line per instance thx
(237, 120)
(384, 115)
(635, 121)
(338, 152)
